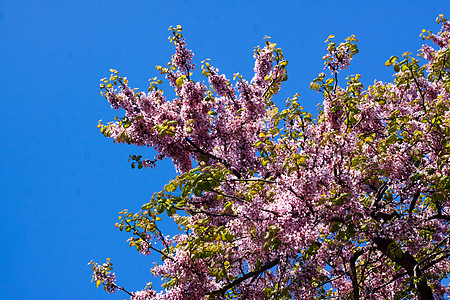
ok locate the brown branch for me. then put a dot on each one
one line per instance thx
(201, 151)
(211, 214)
(413, 202)
(143, 236)
(252, 180)
(390, 281)
(122, 289)
(335, 82)
(236, 282)
(228, 196)
(408, 262)
(311, 210)
(418, 88)
(439, 216)
(432, 263)
(442, 68)
(379, 203)
(354, 277)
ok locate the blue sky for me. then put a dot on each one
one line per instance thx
(63, 184)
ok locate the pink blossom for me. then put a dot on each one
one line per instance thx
(274, 202)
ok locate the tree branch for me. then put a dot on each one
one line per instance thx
(442, 68)
(418, 88)
(409, 263)
(201, 151)
(413, 202)
(122, 289)
(354, 277)
(253, 180)
(439, 217)
(236, 282)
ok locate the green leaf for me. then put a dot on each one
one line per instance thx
(147, 206)
(186, 190)
(227, 205)
(391, 139)
(162, 132)
(399, 252)
(179, 81)
(171, 188)
(181, 204)
(160, 208)
(390, 61)
(170, 211)
(329, 38)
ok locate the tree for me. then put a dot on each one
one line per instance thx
(277, 204)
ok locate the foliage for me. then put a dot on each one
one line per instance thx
(274, 204)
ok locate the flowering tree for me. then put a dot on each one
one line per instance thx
(274, 204)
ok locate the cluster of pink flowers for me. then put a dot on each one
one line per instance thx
(146, 294)
(354, 204)
(221, 84)
(108, 279)
(263, 64)
(337, 59)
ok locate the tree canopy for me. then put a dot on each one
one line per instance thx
(278, 204)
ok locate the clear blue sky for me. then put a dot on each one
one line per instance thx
(63, 184)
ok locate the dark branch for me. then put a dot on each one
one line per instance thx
(122, 289)
(418, 88)
(413, 202)
(440, 217)
(379, 203)
(355, 286)
(253, 179)
(201, 151)
(236, 282)
(408, 262)
(432, 263)
(442, 68)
